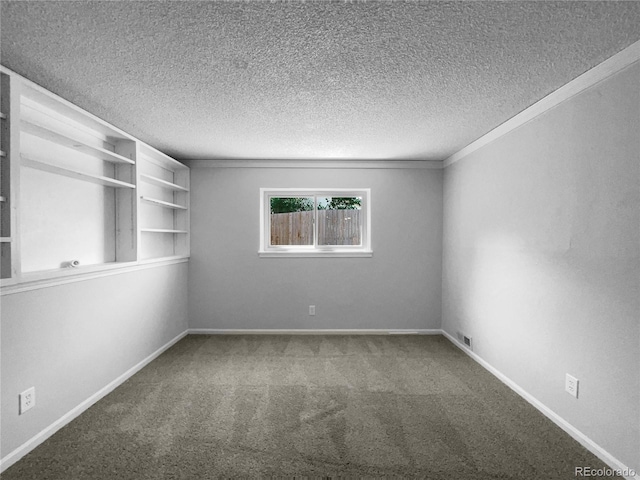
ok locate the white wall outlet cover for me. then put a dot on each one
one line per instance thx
(571, 385)
(312, 309)
(27, 399)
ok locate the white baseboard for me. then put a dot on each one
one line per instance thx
(321, 331)
(576, 434)
(37, 439)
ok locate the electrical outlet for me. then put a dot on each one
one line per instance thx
(312, 310)
(27, 399)
(571, 385)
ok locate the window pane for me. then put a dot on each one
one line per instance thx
(291, 220)
(339, 220)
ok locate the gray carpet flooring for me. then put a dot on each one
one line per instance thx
(309, 406)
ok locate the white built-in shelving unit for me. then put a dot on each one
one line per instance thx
(163, 206)
(79, 195)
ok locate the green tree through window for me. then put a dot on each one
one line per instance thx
(291, 204)
(341, 203)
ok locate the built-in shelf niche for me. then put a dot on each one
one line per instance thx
(77, 177)
(164, 205)
(74, 187)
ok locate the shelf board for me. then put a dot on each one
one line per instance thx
(5, 239)
(71, 142)
(162, 183)
(2, 116)
(38, 97)
(162, 230)
(89, 177)
(3, 199)
(162, 203)
(3, 153)
(151, 155)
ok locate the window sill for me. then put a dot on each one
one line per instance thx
(315, 253)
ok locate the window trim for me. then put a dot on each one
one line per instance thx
(267, 250)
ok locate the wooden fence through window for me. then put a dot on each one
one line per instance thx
(335, 227)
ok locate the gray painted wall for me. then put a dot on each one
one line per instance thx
(542, 254)
(230, 287)
(71, 340)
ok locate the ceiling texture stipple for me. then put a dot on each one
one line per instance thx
(315, 80)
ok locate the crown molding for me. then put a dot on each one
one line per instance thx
(600, 72)
(272, 163)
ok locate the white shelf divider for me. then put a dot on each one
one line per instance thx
(71, 142)
(99, 179)
(162, 203)
(5, 239)
(162, 183)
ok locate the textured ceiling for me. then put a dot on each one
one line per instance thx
(353, 80)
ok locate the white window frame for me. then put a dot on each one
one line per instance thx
(268, 250)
